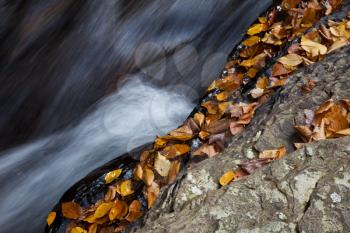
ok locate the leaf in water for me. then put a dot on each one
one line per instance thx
(113, 175)
(162, 165)
(338, 44)
(256, 62)
(273, 154)
(226, 178)
(148, 176)
(78, 230)
(134, 211)
(71, 210)
(51, 218)
(174, 170)
(126, 188)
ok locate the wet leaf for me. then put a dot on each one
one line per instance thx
(226, 178)
(71, 210)
(199, 118)
(256, 92)
(113, 175)
(338, 44)
(93, 228)
(103, 209)
(278, 69)
(253, 40)
(256, 62)
(138, 172)
(206, 149)
(78, 230)
(126, 188)
(203, 135)
(151, 199)
(162, 165)
(174, 170)
(51, 218)
(257, 28)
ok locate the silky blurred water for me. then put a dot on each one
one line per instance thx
(86, 81)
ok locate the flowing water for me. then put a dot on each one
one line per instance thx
(86, 81)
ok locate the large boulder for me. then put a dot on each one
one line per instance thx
(306, 191)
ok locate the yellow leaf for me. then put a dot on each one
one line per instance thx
(338, 44)
(51, 218)
(103, 209)
(345, 132)
(126, 188)
(111, 176)
(78, 230)
(138, 172)
(134, 211)
(199, 118)
(93, 228)
(257, 28)
(226, 178)
(118, 211)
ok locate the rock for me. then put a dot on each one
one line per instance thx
(306, 191)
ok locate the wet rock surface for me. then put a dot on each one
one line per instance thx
(306, 191)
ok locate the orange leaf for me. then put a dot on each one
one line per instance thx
(118, 211)
(199, 118)
(257, 28)
(175, 150)
(134, 211)
(93, 228)
(151, 199)
(226, 178)
(103, 209)
(71, 210)
(138, 172)
(78, 230)
(206, 149)
(51, 218)
(174, 170)
(273, 154)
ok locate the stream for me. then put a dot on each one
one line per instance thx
(84, 82)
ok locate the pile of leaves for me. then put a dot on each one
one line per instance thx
(222, 114)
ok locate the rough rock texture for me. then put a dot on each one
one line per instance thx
(306, 191)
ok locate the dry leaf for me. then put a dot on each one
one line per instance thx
(256, 92)
(236, 128)
(113, 175)
(252, 165)
(291, 60)
(206, 149)
(257, 62)
(71, 210)
(226, 178)
(93, 228)
(51, 218)
(251, 41)
(162, 165)
(211, 107)
(257, 28)
(151, 199)
(134, 211)
(313, 48)
(338, 44)
(203, 135)
(174, 170)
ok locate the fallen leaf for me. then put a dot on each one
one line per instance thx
(126, 188)
(111, 193)
(162, 165)
(51, 218)
(217, 126)
(298, 145)
(93, 228)
(206, 149)
(291, 60)
(344, 132)
(236, 128)
(253, 40)
(78, 230)
(222, 96)
(113, 175)
(262, 83)
(273, 154)
(313, 48)
(226, 178)
(71, 210)
(148, 176)
(236, 111)
(257, 62)
(250, 166)
(304, 131)
(203, 135)
(151, 199)
(138, 172)
(118, 211)
(256, 92)
(338, 44)
(103, 209)
(134, 211)
(257, 28)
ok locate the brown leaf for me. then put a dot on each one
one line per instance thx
(151, 199)
(256, 92)
(206, 149)
(134, 211)
(291, 60)
(211, 107)
(319, 132)
(226, 178)
(175, 150)
(71, 210)
(338, 44)
(273, 154)
(113, 175)
(51, 218)
(298, 145)
(236, 128)
(304, 131)
(278, 69)
(313, 48)
(309, 85)
(217, 126)
(344, 132)
(111, 193)
(262, 83)
(235, 110)
(93, 228)
(257, 62)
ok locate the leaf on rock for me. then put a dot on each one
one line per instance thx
(113, 175)
(71, 210)
(250, 166)
(206, 149)
(51, 218)
(226, 178)
(174, 170)
(256, 92)
(278, 69)
(338, 44)
(138, 172)
(236, 128)
(199, 118)
(273, 154)
(151, 199)
(257, 62)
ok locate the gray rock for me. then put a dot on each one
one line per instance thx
(306, 191)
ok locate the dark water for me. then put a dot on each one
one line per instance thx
(85, 81)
